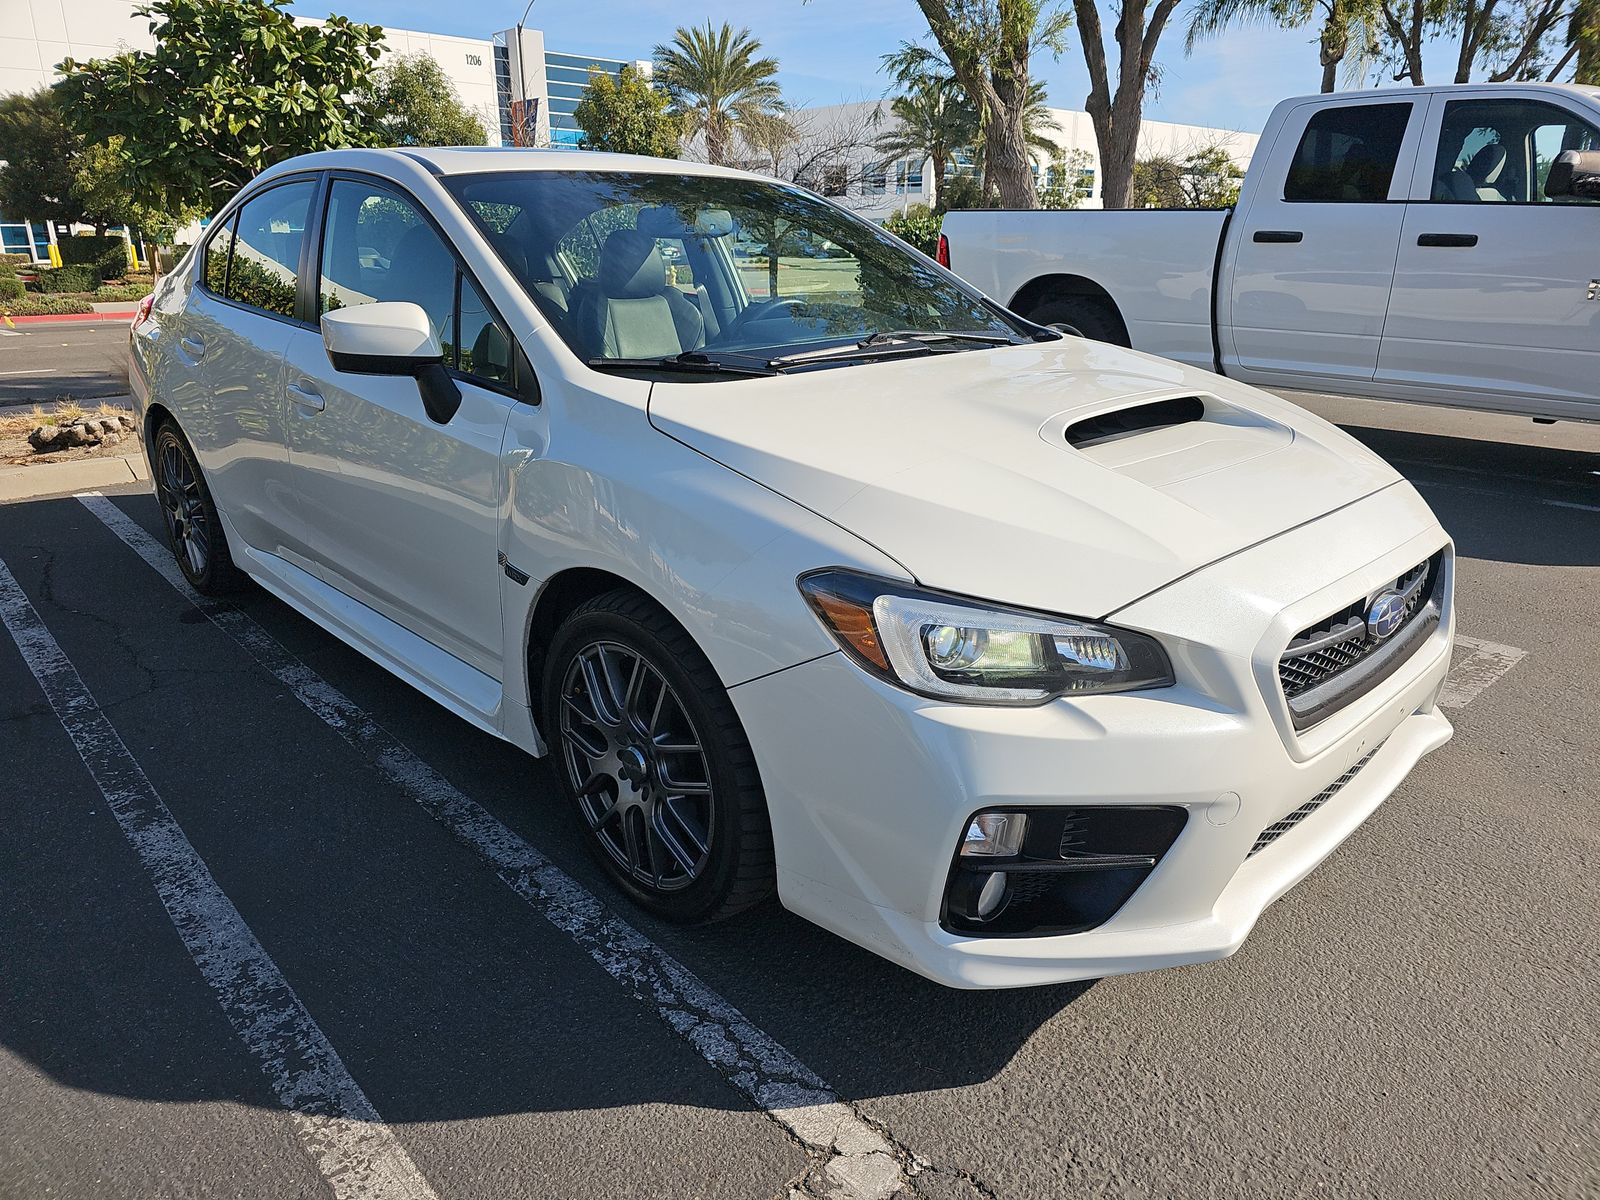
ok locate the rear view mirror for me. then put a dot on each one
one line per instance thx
(1575, 173)
(392, 338)
(713, 222)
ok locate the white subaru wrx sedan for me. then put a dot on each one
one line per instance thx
(1011, 656)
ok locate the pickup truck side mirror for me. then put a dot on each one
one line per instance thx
(392, 338)
(1575, 173)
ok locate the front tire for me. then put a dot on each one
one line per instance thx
(194, 531)
(653, 760)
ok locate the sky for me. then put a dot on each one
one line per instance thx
(828, 50)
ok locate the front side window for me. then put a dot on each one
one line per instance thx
(628, 265)
(1500, 151)
(377, 246)
(1348, 154)
(265, 260)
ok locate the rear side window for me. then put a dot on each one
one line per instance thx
(1348, 154)
(377, 246)
(265, 259)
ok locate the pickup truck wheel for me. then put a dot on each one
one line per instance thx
(652, 758)
(1093, 318)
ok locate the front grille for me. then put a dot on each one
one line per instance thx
(1318, 659)
(1285, 823)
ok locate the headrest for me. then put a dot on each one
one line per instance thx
(631, 266)
(1486, 165)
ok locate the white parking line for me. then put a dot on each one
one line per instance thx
(354, 1150)
(1484, 663)
(853, 1158)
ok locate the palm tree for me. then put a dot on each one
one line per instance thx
(932, 120)
(1347, 26)
(716, 82)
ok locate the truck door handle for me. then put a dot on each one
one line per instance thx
(1278, 235)
(1447, 239)
(305, 394)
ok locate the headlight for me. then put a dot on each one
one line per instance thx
(955, 649)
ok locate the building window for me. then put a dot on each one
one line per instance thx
(876, 181)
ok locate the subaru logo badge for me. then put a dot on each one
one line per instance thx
(1385, 615)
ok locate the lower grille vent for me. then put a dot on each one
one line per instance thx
(1287, 822)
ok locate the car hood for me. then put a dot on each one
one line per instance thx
(1047, 475)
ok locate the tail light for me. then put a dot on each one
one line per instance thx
(942, 255)
(143, 312)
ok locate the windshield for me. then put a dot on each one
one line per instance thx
(633, 267)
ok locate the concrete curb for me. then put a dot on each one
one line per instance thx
(64, 478)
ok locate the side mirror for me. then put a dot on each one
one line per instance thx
(392, 338)
(1575, 173)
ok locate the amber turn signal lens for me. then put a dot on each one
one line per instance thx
(851, 624)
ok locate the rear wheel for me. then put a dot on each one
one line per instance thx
(193, 529)
(1089, 316)
(651, 756)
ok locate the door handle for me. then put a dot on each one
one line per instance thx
(305, 394)
(1287, 236)
(1447, 239)
(193, 347)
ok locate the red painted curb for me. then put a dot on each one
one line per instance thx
(47, 318)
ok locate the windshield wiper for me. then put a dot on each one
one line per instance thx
(690, 362)
(894, 343)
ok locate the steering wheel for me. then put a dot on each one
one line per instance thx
(765, 308)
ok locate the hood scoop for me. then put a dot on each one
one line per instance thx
(1139, 418)
(1164, 441)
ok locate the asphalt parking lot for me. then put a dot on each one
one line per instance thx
(272, 924)
(82, 360)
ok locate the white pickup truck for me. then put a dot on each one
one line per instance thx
(1430, 244)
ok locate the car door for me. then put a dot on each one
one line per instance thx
(1313, 257)
(1495, 285)
(236, 326)
(402, 512)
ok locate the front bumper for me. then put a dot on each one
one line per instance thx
(870, 788)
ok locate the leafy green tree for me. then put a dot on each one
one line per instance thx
(962, 192)
(917, 224)
(1067, 182)
(624, 114)
(413, 103)
(988, 45)
(1583, 43)
(232, 87)
(932, 120)
(1206, 178)
(41, 151)
(716, 83)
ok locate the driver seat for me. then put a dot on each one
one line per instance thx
(631, 312)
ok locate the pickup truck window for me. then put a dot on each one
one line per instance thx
(1348, 154)
(1499, 151)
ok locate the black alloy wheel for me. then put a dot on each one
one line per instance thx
(652, 756)
(193, 528)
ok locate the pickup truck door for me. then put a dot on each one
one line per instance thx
(1313, 252)
(1495, 291)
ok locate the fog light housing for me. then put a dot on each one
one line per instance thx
(1046, 871)
(994, 835)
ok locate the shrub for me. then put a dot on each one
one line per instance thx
(107, 254)
(80, 277)
(918, 225)
(11, 288)
(39, 306)
(10, 262)
(117, 292)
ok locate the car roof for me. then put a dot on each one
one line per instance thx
(469, 160)
(1407, 91)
